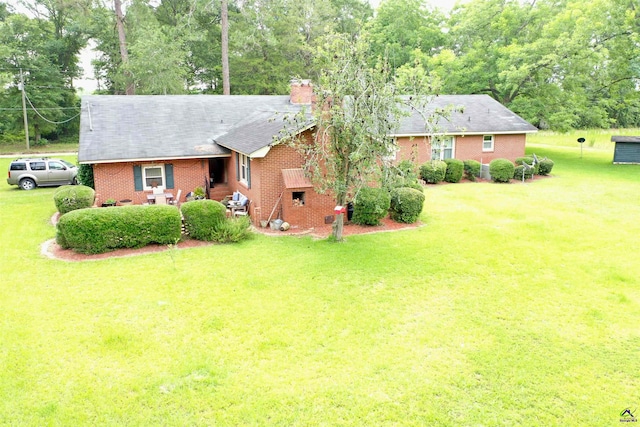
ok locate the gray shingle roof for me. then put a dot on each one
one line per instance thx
(117, 128)
(480, 114)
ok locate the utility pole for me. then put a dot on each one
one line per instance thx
(24, 109)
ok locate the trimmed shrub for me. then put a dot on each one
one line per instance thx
(406, 205)
(545, 166)
(501, 170)
(433, 171)
(520, 169)
(370, 206)
(528, 160)
(455, 169)
(415, 185)
(71, 197)
(472, 169)
(85, 175)
(94, 231)
(203, 218)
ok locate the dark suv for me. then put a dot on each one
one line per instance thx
(43, 172)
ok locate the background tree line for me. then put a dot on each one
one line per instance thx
(560, 64)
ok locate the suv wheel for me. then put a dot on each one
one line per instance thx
(75, 181)
(27, 184)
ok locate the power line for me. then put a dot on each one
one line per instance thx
(44, 118)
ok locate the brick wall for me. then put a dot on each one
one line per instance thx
(510, 147)
(115, 180)
(267, 186)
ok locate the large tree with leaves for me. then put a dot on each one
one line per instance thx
(356, 113)
(42, 52)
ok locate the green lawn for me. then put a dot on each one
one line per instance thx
(516, 304)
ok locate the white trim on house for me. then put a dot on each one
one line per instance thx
(447, 139)
(156, 159)
(148, 180)
(492, 140)
(243, 164)
(462, 134)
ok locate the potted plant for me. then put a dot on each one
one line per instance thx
(125, 202)
(199, 194)
(108, 203)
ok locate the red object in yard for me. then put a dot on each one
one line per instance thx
(339, 210)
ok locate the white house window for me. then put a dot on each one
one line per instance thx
(487, 143)
(442, 148)
(153, 176)
(244, 168)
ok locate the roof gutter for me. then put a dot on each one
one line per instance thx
(415, 135)
(154, 159)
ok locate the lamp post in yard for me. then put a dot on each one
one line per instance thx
(581, 141)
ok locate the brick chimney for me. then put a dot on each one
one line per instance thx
(301, 92)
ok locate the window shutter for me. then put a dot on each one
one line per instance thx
(168, 171)
(137, 178)
(248, 172)
(237, 166)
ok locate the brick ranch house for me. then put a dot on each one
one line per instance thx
(226, 144)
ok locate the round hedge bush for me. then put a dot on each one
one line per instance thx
(501, 170)
(545, 166)
(433, 171)
(72, 197)
(370, 206)
(406, 204)
(455, 169)
(94, 231)
(203, 218)
(528, 160)
(472, 169)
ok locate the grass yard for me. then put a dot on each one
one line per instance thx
(516, 304)
(59, 147)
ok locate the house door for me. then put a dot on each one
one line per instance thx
(217, 171)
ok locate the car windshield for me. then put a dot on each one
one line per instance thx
(68, 164)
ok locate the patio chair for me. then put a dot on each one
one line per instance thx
(176, 201)
(161, 199)
(242, 210)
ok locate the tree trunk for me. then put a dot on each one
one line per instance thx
(226, 86)
(338, 225)
(124, 54)
(38, 134)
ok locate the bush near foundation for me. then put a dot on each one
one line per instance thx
(203, 219)
(406, 204)
(71, 197)
(455, 169)
(433, 171)
(545, 166)
(94, 231)
(370, 206)
(520, 169)
(472, 169)
(528, 160)
(501, 170)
